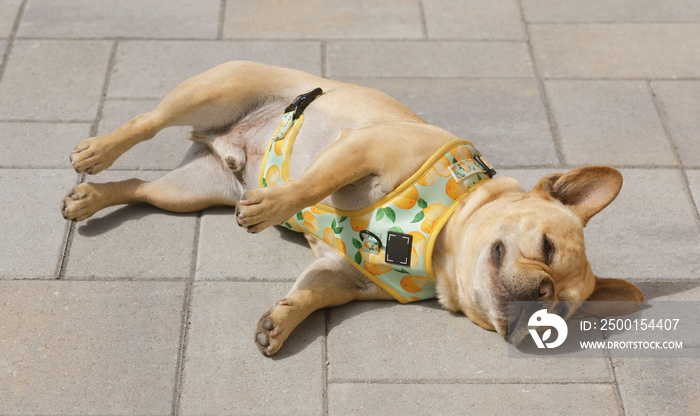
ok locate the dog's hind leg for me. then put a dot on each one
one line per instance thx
(213, 99)
(201, 181)
(329, 281)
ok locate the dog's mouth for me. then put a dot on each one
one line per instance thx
(516, 310)
(519, 315)
(517, 323)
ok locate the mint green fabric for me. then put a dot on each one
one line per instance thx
(418, 208)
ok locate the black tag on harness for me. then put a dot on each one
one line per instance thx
(398, 248)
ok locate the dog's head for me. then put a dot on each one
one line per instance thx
(504, 244)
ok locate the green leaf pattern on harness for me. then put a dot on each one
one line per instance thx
(419, 209)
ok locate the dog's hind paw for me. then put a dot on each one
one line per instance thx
(81, 202)
(95, 154)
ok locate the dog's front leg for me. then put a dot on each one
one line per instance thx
(344, 162)
(329, 281)
(391, 152)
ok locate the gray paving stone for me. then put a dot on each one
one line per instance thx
(694, 180)
(661, 376)
(32, 227)
(389, 342)
(54, 80)
(39, 145)
(505, 118)
(89, 347)
(470, 399)
(658, 386)
(323, 19)
(165, 151)
(648, 233)
(474, 19)
(609, 122)
(133, 242)
(617, 50)
(151, 69)
(528, 178)
(668, 291)
(613, 11)
(9, 8)
(458, 59)
(680, 101)
(224, 373)
(120, 18)
(226, 251)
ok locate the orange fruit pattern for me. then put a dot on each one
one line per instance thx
(417, 211)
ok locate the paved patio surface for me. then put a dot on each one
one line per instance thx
(143, 312)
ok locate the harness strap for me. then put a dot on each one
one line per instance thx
(390, 242)
(294, 111)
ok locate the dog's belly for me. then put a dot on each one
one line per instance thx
(242, 150)
(242, 147)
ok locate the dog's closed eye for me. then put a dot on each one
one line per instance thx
(497, 253)
(548, 250)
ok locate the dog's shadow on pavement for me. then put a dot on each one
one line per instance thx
(121, 216)
(290, 236)
(332, 319)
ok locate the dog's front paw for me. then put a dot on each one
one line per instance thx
(270, 334)
(262, 208)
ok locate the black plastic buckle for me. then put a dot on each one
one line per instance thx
(373, 235)
(489, 171)
(301, 102)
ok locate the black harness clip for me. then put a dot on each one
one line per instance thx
(488, 169)
(301, 102)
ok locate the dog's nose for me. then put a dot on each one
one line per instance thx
(546, 290)
(533, 289)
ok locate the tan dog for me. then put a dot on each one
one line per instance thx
(356, 145)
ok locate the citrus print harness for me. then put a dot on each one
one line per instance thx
(391, 242)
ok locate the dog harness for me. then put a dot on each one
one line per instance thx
(391, 242)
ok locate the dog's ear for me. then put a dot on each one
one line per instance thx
(611, 297)
(585, 191)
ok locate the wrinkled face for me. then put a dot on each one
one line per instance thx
(520, 247)
(503, 244)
